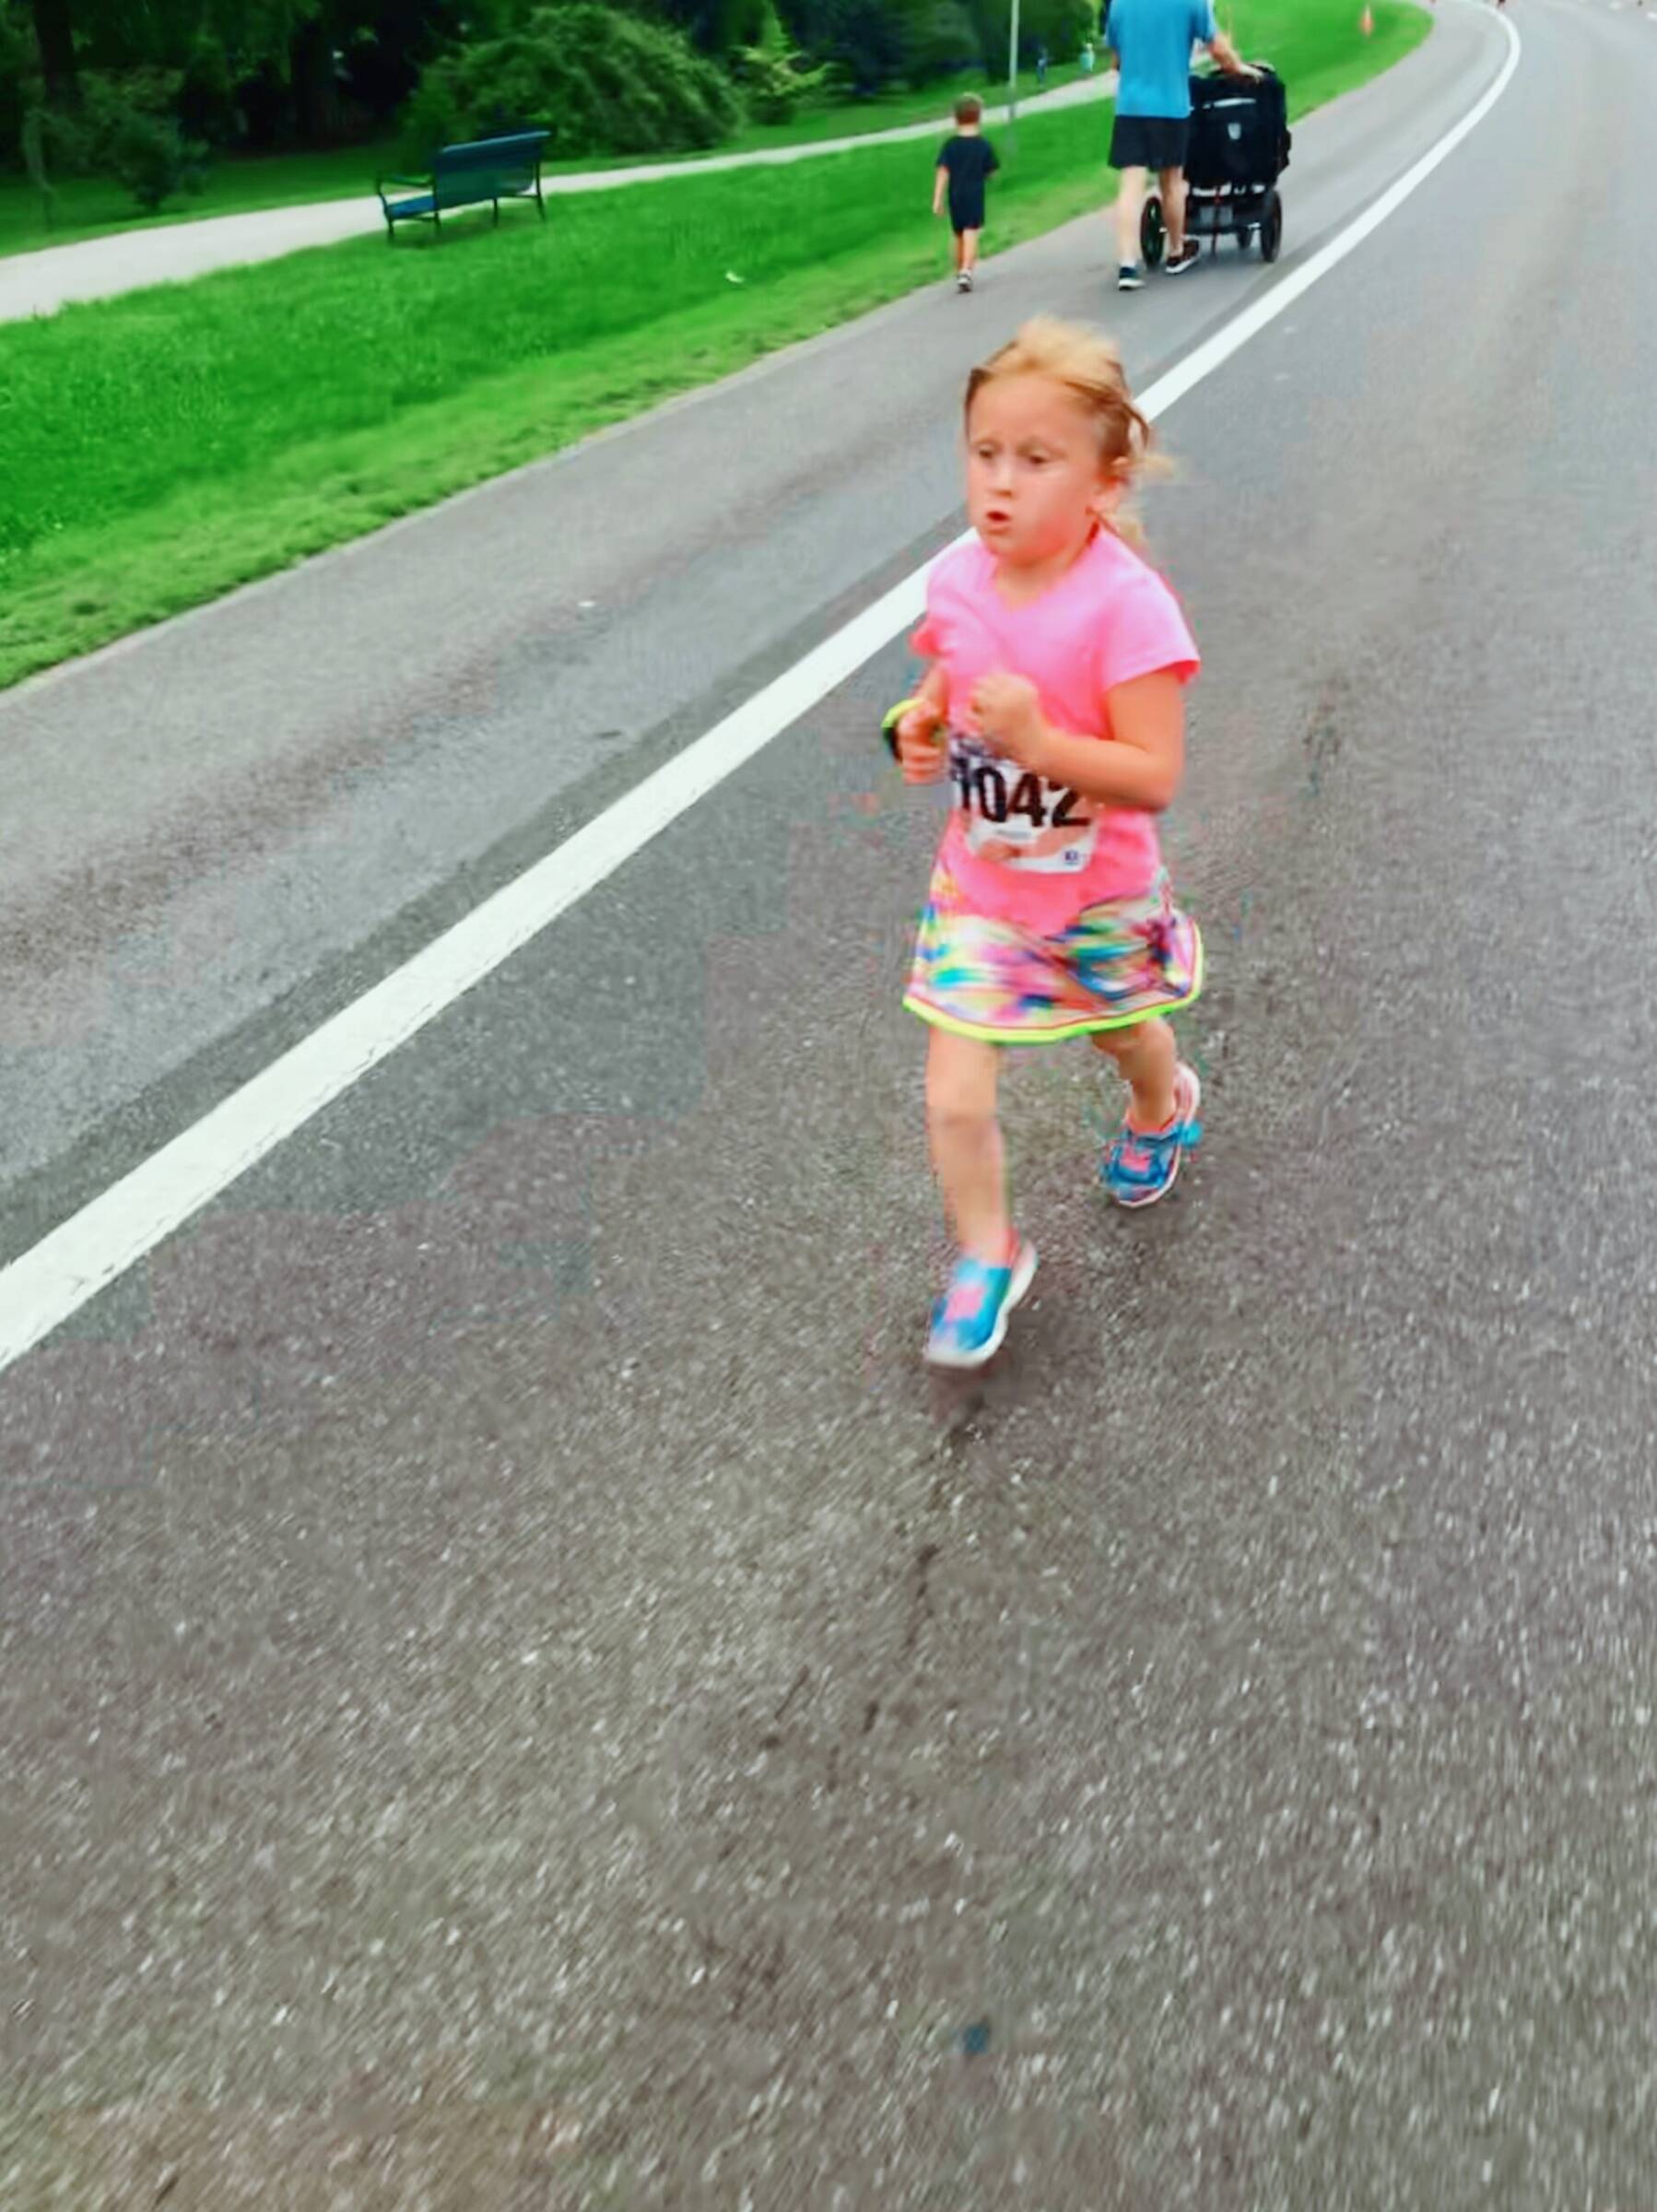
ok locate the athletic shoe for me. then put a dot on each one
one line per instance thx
(1190, 253)
(969, 1322)
(963, 282)
(1139, 1166)
(1130, 277)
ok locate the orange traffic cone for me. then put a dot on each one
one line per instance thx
(1366, 22)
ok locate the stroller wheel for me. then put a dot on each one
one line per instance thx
(1271, 228)
(1245, 237)
(1153, 238)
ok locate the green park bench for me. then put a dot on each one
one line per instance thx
(482, 173)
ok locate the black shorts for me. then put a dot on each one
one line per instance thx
(1150, 141)
(966, 212)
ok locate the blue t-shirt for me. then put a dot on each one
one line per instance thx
(1153, 39)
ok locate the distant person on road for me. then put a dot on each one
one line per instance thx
(965, 165)
(1055, 701)
(1152, 41)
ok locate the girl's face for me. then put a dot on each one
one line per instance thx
(1035, 482)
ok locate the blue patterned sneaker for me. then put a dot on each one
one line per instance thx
(969, 1321)
(1139, 1167)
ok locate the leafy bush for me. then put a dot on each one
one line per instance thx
(434, 115)
(596, 80)
(131, 131)
(153, 159)
(774, 83)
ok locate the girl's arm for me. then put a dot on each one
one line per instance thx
(919, 751)
(1138, 765)
(940, 178)
(926, 709)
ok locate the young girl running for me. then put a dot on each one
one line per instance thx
(1056, 700)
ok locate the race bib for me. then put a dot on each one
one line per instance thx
(1015, 818)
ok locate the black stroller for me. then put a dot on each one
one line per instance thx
(1240, 142)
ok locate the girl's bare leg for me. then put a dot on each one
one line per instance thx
(968, 1154)
(968, 247)
(1147, 1057)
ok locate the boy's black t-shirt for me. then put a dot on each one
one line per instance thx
(968, 162)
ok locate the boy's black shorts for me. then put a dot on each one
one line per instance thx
(1150, 141)
(966, 211)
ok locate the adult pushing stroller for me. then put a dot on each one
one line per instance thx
(1238, 148)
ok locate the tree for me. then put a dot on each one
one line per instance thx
(312, 78)
(942, 39)
(1059, 25)
(114, 34)
(871, 41)
(716, 26)
(271, 70)
(55, 35)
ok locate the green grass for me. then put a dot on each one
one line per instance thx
(97, 207)
(163, 447)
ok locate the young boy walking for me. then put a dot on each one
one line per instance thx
(965, 163)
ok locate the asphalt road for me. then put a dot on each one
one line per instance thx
(230, 815)
(514, 1689)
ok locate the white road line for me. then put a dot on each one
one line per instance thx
(55, 1278)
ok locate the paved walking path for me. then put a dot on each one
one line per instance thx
(97, 268)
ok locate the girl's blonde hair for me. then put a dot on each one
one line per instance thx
(1089, 367)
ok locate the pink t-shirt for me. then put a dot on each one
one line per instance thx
(1024, 849)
